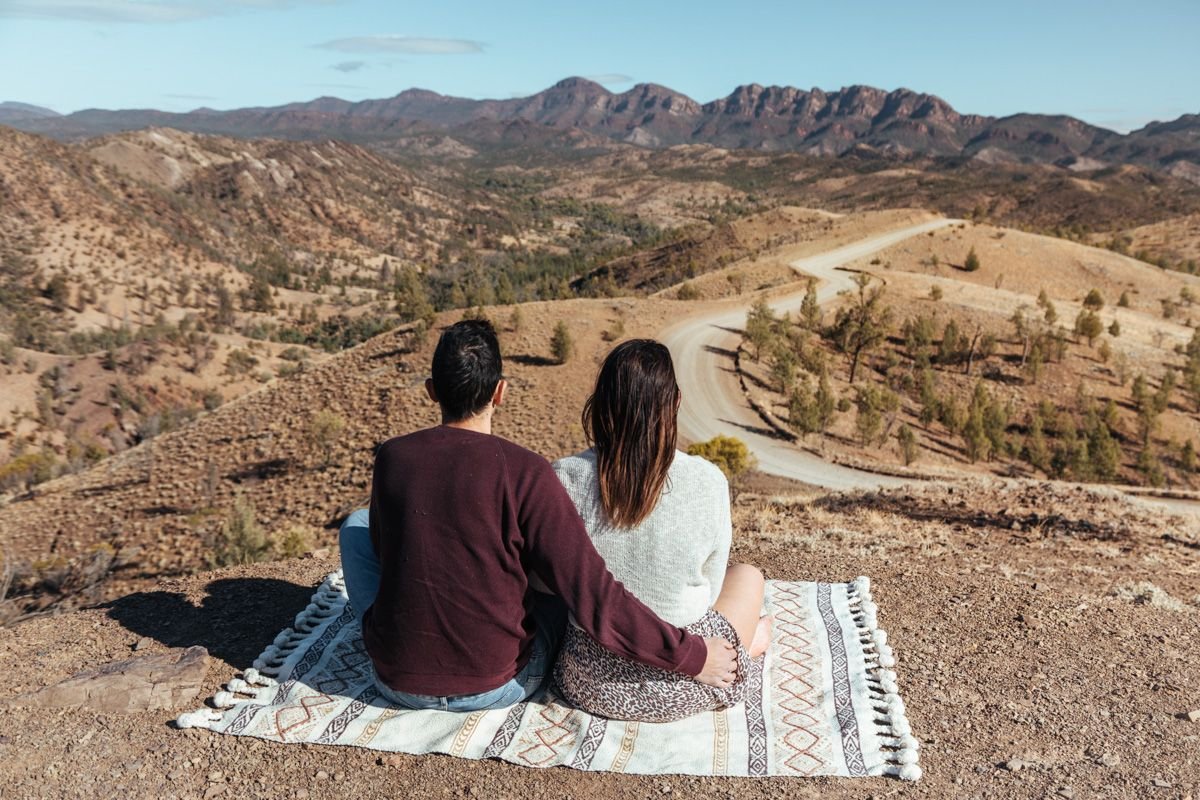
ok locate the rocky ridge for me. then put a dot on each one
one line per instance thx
(898, 123)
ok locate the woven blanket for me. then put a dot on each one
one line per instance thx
(826, 702)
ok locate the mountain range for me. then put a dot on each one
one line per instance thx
(858, 118)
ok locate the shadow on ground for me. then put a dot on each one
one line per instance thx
(235, 621)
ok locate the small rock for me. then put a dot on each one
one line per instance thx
(1015, 764)
(216, 790)
(1193, 716)
(301, 794)
(1160, 783)
(143, 643)
(1109, 760)
(321, 775)
(391, 760)
(1065, 791)
(215, 776)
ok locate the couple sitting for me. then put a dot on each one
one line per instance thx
(474, 550)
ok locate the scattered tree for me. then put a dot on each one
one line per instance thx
(872, 402)
(323, 430)
(918, 339)
(412, 298)
(908, 444)
(810, 308)
(971, 264)
(1187, 457)
(561, 343)
(783, 365)
(1150, 466)
(863, 325)
(1089, 326)
(1036, 450)
(761, 326)
(950, 346)
(1049, 312)
(810, 412)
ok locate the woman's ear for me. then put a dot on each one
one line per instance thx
(429, 390)
(678, 399)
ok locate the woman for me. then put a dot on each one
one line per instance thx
(660, 518)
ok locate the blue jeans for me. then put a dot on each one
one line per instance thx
(360, 567)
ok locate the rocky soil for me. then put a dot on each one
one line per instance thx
(1047, 657)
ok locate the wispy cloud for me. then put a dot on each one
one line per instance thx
(143, 11)
(349, 66)
(609, 78)
(1125, 120)
(408, 45)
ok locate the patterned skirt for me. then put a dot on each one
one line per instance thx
(608, 685)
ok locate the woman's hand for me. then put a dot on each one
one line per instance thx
(720, 667)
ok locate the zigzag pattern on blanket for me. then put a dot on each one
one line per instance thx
(827, 702)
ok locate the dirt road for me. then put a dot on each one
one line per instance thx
(703, 348)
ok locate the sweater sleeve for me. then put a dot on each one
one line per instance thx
(563, 556)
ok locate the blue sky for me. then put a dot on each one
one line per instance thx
(1116, 64)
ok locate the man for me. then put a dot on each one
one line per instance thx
(460, 523)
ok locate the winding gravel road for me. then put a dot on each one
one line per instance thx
(713, 403)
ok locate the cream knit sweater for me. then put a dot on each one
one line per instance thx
(675, 560)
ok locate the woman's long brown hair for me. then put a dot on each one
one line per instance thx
(630, 421)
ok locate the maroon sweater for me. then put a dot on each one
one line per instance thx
(459, 521)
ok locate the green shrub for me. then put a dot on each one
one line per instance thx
(561, 343)
(908, 444)
(292, 543)
(241, 539)
(730, 454)
(972, 263)
(324, 429)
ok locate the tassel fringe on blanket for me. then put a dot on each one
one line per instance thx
(827, 703)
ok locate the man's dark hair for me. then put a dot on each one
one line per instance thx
(466, 368)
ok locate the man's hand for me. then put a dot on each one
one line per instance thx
(720, 667)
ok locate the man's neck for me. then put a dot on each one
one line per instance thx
(480, 423)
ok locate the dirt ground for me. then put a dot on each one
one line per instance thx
(1046, 638)
(1046, 633)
